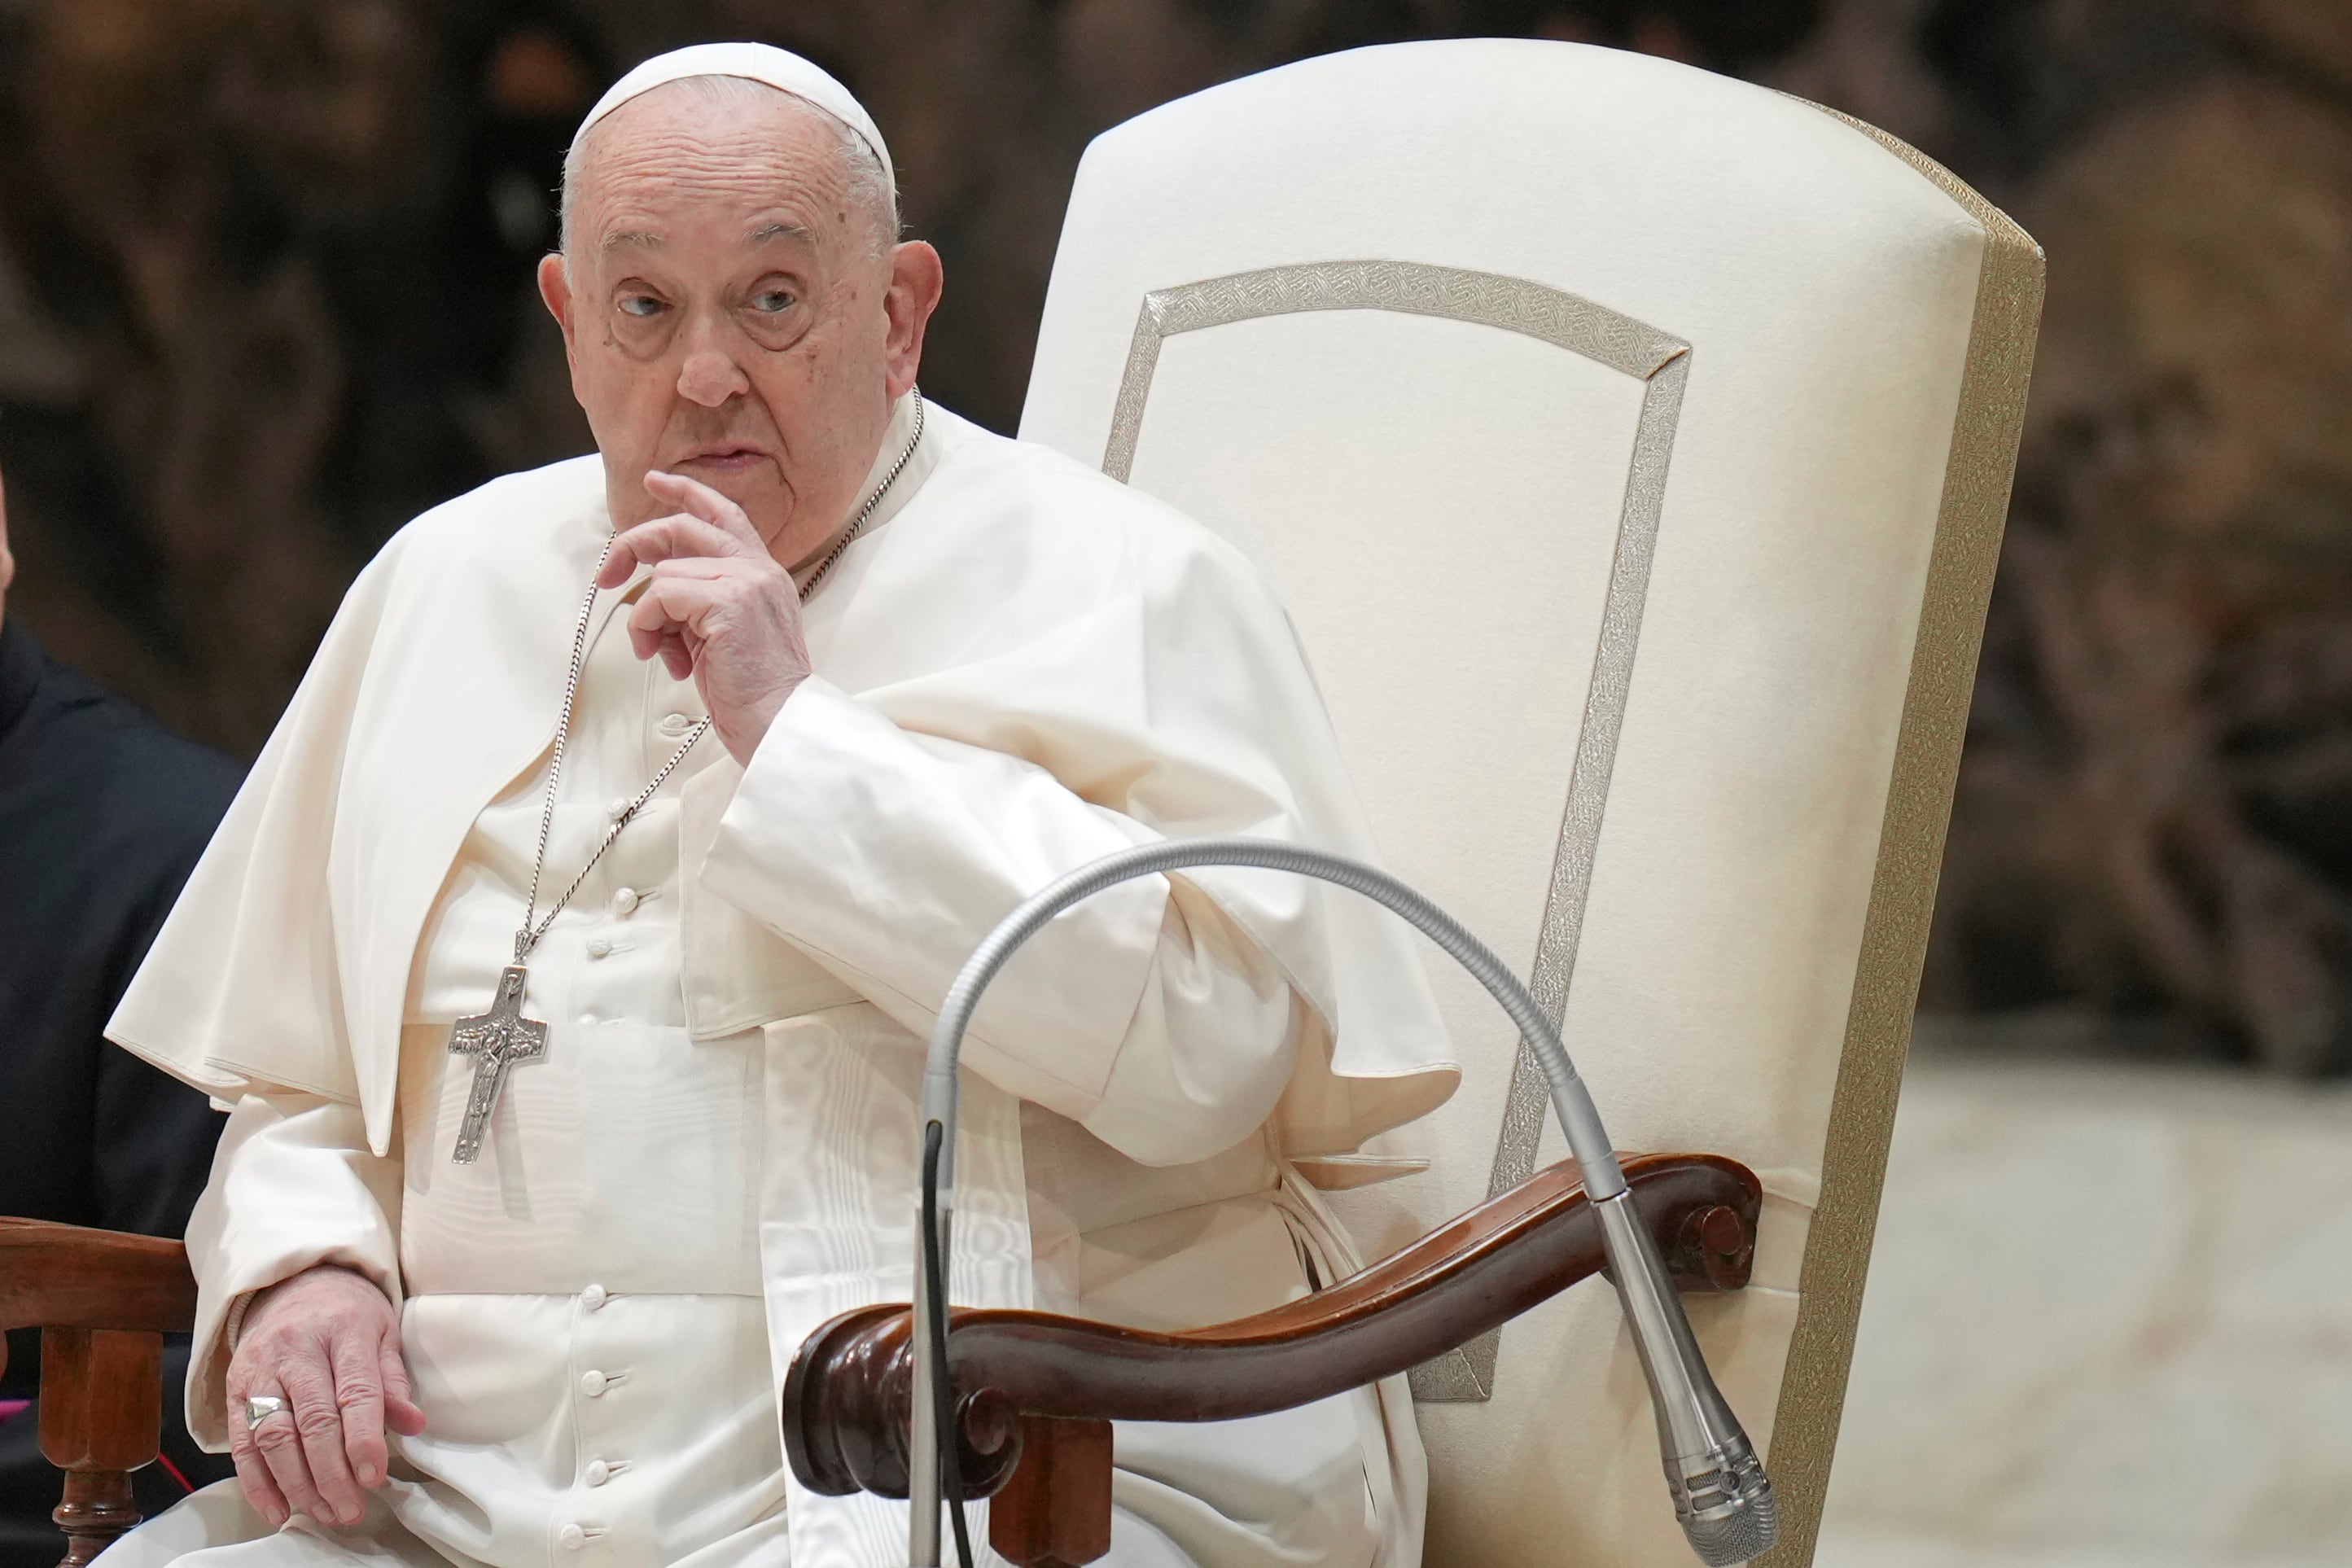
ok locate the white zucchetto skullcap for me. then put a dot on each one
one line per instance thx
(779, 68)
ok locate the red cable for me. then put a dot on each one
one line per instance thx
(173, 1471)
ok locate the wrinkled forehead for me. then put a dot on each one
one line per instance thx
(711, 148)
(694, 118)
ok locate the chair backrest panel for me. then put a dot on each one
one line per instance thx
(1596, 417)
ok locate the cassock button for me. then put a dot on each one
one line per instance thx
(599, 948)
(674, 724)
(597, 1473)
(571, 1538)
(592, 1383)
(625, 902)
(594, 1297)
(617, 807)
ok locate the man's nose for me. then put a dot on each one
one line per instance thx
(711, 376)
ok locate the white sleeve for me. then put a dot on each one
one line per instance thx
(293, 1185)
(1143, 1013)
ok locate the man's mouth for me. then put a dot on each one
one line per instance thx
(721, 458)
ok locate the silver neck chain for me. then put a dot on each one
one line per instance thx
(534, 927)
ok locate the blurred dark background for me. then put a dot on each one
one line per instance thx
(265, 293)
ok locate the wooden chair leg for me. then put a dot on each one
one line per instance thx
(97, 1512)
(102, 1418)
(1055, 1512)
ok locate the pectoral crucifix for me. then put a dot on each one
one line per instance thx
(496, 1040)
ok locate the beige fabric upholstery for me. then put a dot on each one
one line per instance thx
(1609, 298)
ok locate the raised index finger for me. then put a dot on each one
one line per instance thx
(695, 497)
(680, 534)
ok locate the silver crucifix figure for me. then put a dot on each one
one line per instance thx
(496, 1040)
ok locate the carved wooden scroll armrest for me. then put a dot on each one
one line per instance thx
(103, 1302)
(1036, 1392)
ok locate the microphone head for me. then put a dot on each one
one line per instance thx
(1724, 1502)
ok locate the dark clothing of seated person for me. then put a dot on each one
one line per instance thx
(102, 812)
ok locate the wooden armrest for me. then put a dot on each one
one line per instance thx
(103, 1302)
(1035, 1392)
(65, 1276)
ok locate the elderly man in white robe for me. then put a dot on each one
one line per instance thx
(565, 961)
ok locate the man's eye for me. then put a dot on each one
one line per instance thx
(773, 301)
(641, 305)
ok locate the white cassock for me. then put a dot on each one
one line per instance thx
(1021, 666)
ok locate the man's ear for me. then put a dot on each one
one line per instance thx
(555, 288)
(916, 280)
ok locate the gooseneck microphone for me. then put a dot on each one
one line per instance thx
(1721, 1496)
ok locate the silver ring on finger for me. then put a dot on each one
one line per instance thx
(260, 1407)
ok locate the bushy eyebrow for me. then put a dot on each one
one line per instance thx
(642, 239)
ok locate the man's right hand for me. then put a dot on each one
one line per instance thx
(328, 1344)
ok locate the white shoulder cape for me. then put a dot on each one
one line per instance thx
(1017, 602)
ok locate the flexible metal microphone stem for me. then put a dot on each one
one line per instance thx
(1722, 1497)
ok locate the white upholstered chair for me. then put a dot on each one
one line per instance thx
(1632, 446)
